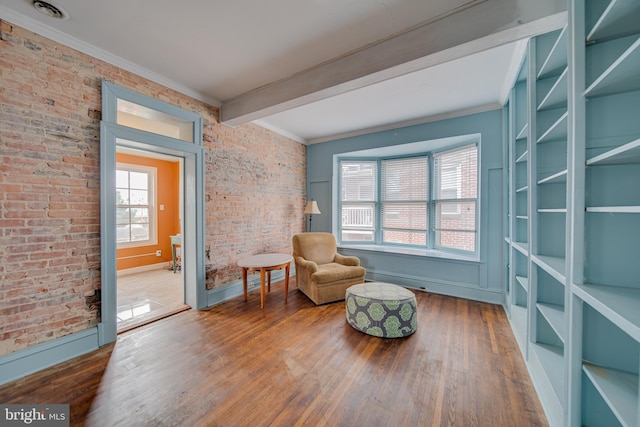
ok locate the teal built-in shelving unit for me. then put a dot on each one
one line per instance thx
(572, 234)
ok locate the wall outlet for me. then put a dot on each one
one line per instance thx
(158, 252)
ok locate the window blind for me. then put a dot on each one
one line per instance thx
(404, 207)
(455, 197)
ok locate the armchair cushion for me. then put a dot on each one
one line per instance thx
(321, 272)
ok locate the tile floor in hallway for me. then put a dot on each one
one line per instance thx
(148, 296)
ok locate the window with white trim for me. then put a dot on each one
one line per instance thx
(135, 205)
(427, 200)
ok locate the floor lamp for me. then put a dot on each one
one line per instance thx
(312, 208)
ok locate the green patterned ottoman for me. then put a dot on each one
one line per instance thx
(381, 309)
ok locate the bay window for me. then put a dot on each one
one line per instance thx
(425, 200)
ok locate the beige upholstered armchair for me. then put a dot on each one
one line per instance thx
(322, 273)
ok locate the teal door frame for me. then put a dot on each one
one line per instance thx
(113, 136)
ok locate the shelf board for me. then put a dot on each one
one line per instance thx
(521, 189)
(555, 178)
(618, 389)
(620, 18)
(523, 132)
(555, 316)
(551, 359)
(616, 303)
(627, 153)
(557, 95)
(558, 130)
(555, 266)
(522, 217)
(519, 322)
(563, 210)
(557, 58)
(523, 248)
(524, 282)
(621, 76)
(614, 209)
(523, 157)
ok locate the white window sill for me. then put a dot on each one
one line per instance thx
(430, 253)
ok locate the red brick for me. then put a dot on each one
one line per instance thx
(50, 153)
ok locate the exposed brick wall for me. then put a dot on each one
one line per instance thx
(50, 106)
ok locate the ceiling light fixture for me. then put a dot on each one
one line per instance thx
(50, 10)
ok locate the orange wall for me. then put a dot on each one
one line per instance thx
(168, 179)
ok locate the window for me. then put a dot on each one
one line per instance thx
(404, 201)
(456, 189)
(427, 200)
(135, 210)
(358, 197)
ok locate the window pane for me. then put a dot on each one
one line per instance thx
(123, 233)
(358, 215)
(456, 173)
(122, 196)
(139, 232)
(358, 181)
(139, 197)
(357, 235)
(456, 216)
(122, 216)
(139, 215)
(456, 225)
(405, 215)
(462, 240)
(405, 237)
(144, 118)
(139, 180)
(122, 179)
(405, 179)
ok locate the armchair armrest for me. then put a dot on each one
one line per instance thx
(347, 260)
(311, 266)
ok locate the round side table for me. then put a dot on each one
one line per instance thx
(266, 263)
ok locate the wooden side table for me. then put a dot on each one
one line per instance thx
(266, 263)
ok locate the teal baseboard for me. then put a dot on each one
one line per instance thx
(234, 289)
(33, 359)
(454, 289)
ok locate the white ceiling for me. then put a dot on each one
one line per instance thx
(237, 54)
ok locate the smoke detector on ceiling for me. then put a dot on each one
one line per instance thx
(50, 10)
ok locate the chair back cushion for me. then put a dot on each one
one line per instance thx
(318, 247)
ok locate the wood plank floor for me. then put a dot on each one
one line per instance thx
(297, 364)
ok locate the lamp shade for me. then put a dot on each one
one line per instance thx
(312, 208)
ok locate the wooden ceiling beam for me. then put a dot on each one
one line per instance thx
(477, 26)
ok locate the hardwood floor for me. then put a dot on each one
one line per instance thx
(296, 363)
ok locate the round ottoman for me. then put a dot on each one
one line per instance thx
(381, 309)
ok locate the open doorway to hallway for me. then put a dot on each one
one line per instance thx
(150, 282)
(148, 296)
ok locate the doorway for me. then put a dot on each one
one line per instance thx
(181, 139)
(150, 282)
